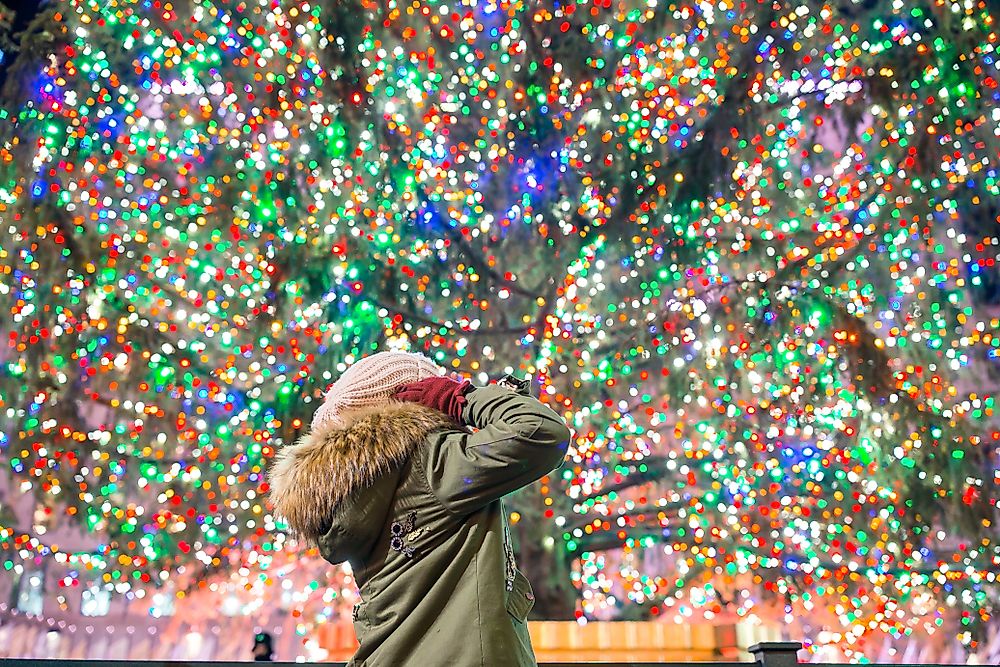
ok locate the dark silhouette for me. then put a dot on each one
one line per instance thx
(263, 650)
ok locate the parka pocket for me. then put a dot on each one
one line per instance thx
(521, 599)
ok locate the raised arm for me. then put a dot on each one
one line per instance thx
(518, 440)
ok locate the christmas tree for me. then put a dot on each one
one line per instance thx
(747, 249)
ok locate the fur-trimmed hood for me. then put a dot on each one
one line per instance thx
(325, 470)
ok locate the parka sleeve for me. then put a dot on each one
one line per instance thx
(518, 440)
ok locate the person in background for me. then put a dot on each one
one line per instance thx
(263, 648)
(402, 474)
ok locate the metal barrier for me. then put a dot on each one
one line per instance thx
(766, 654)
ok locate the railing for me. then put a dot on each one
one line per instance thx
(766, 654)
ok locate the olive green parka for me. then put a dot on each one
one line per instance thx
(412, 501)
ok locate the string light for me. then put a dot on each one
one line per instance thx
(747, 250)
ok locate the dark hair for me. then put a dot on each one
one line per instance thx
(263, 640)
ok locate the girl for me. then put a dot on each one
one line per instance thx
(402, 475)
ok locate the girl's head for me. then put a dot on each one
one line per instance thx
(371, 381)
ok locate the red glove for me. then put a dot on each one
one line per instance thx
(440, 393)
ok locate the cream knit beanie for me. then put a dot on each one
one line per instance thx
(371, 381)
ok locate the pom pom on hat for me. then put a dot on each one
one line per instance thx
(371, 381)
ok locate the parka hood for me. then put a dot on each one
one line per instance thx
(334, 486)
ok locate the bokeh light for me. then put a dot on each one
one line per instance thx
(747, 249)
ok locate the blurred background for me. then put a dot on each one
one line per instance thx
(747, 248)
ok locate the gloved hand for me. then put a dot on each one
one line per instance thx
(440, 393)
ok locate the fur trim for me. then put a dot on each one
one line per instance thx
(312, 477)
